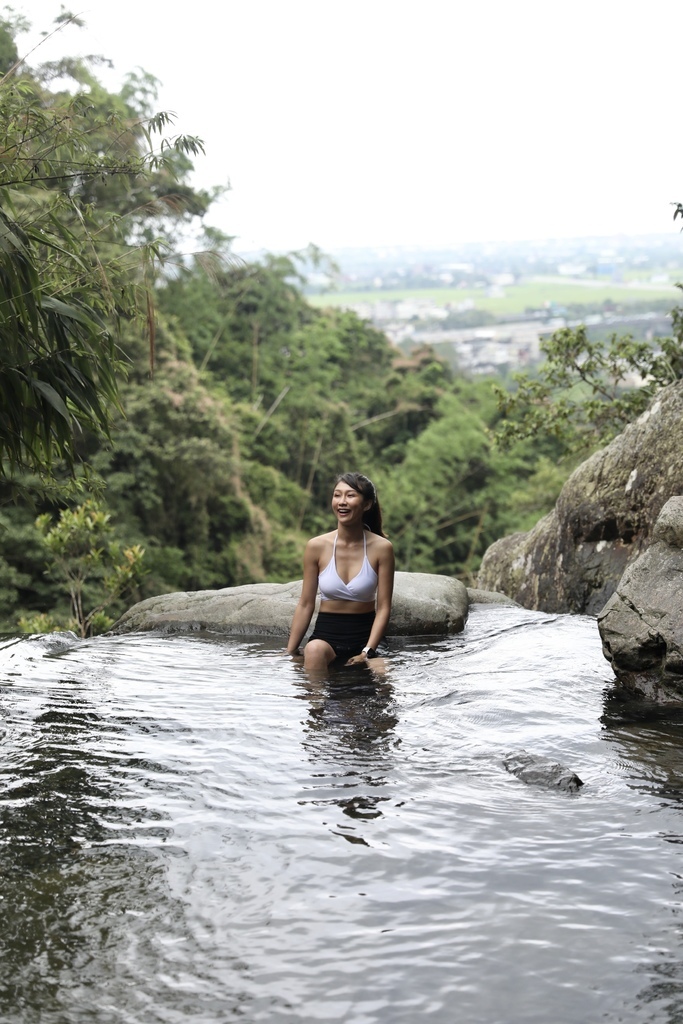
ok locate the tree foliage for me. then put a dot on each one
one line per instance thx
(72, 262)
(588, 390)
(95, 568)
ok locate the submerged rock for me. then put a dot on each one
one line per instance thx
(424, 604)
(541, 771)
(57, 643)
(573, 558)
(641, 626)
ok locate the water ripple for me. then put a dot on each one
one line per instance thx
(191, 831)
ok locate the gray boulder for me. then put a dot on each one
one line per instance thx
(261, 608)
(572, 560)
(424, 604)
(427, 604)
(541, 771)
(641, 625)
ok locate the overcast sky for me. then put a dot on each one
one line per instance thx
(382, 122)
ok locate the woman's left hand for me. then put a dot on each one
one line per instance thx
(357, 659)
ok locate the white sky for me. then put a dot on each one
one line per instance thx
(383, 122)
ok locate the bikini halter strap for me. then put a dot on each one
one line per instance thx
(365, 542)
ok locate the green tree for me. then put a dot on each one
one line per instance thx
(71, 265)
(453, 493)
(300, 378)
(10, 25)
(433, 497)
(95, 568)
(405, 404)
(587, 390)
(180, 479)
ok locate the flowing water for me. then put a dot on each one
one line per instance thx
(191, 831)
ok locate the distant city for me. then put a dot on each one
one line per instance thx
(487, 307)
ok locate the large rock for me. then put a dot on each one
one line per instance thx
(642, 623)
(423, 604)
(427, 604)
(572, 560)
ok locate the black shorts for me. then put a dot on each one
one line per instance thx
(347, 635)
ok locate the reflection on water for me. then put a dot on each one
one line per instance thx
(349, 731)
(647, 743)
(193, 831)
(648, 740)
(351, 722)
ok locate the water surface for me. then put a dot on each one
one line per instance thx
(190, 831)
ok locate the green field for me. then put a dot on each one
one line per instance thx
(515, 299)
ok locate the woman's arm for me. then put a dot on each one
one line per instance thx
(306, 606)
(385, 593)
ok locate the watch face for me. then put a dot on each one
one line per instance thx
(371, 653)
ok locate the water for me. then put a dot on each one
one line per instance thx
(192, 832)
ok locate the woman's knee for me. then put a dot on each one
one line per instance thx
(318, 652)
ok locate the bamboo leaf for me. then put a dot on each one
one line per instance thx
(73, 312)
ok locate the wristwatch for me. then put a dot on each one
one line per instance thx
(369, 652)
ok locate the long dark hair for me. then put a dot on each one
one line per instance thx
(372, 518)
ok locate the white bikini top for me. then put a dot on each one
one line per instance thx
(362, 587)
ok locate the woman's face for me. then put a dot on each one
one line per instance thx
(348, 504)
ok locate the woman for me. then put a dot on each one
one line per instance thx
(353, 567)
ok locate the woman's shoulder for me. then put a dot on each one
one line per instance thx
(321, 542)
(379, 544)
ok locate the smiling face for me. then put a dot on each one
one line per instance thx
(348, 504)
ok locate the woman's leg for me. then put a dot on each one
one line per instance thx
(318, 655)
